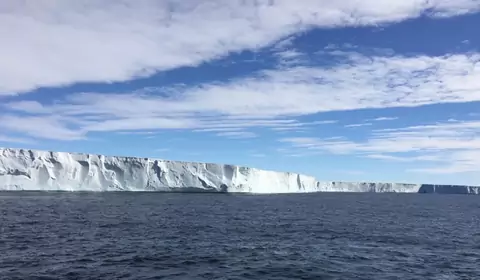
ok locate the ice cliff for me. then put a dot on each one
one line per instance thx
(22, 169)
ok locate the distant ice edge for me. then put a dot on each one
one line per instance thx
(32, 170)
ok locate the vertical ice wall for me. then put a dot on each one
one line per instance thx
(22, 169)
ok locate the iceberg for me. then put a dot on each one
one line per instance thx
(34, 170)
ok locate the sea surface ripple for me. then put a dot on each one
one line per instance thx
(225, 236)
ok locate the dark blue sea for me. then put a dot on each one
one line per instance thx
(221, 236)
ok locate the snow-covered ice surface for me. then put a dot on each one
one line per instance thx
(22, 169)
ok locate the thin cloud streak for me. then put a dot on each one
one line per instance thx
(237, 134)
(358, 125)
(448, 147)
(383, 119)
(15, 140)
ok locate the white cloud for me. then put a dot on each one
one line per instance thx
(142, 123)
(301, 126)
(289, 54)
(261, 100)
(448, 147)
(291, 57)
(41, 127)
(404, 158)
(237, 134)
(358, 124)
(384, 119)
(376, 82)
(8, 139)
(137, 132)
(55, 43)
(218, 129)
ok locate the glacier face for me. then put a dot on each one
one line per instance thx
(42, 170)
(22, 169)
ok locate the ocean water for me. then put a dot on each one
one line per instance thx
(221, 236)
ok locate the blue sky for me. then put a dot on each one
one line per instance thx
(341, 90)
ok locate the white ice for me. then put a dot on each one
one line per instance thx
(22, 169)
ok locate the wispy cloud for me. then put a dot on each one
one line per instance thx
(301, 126)
(127, 40)
(237, 134)
(448, 147)
(404, 158)
(218, 129)
(358, 124)
(264, 99)
(15, 140)
(383, 119)
(137, 132)
(457, 162)
(46, 127)
(291, 57)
